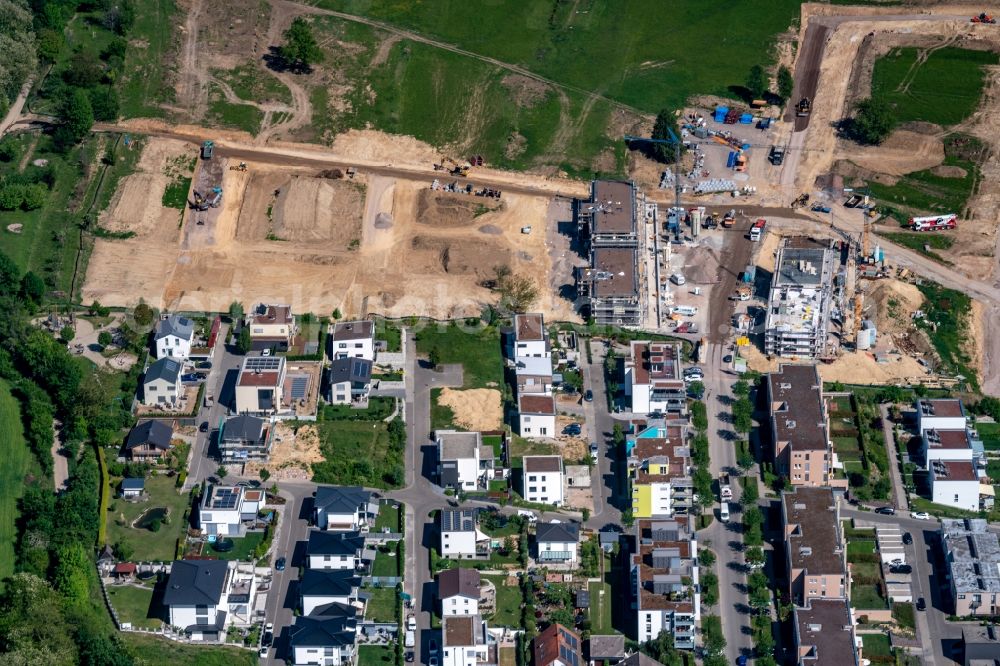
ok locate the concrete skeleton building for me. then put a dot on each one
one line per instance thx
(972, 555)
(803, 452)
(800, 302)
(659, 465)
(608, 222)
(816, 560)
(653, 378)
(665, 579)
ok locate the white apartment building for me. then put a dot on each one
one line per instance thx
(543, 479)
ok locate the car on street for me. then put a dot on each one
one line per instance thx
(907, 538)
(432, 647)
(589, 396)
(728, 358)
(267, 639)
(409, 656)
(433, 661)
(593, 451)
(921, 604)
(203, 427)
(886, 511)
(204, 365)
(920, 515)
(692, 378)
(411, 623)
(694, 370)
(262, 652)
(279, 565)
(901, 569)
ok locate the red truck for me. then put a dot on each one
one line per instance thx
(934, 222)
(757, 230)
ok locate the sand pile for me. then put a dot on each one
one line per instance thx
(891, 304)
(292, 453)
(861, 368)
(475, 409)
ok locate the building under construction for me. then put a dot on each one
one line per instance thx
(607, 224)
(801, 298)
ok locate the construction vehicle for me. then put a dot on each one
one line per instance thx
(803, 108)
(741, 162)
(934, 223)
(776, 156)
(757, 230)
(217, 199)
(455, 169)
(476, 160)
(820, 208)
(199, 203)
(800, 200)
(983, 18)
(242, 167)
(207, 148)
(853, 201)
(742, 293)
(729, 219)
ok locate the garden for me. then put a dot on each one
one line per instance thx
(150, 529)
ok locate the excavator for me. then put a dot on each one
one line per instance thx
(983, 18)
(804, 107)
(455, 169)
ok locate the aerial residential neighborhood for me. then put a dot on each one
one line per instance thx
(507, 333)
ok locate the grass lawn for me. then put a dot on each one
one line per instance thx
(476, 348)
(391, 333)
(378, 408)
(990, 434)
(442, 416)
(238, 116)
(156, 546)
(944, 89)
(860, 547)
(846, 445)
(386, 563)
(520, 446)
(600, 608)
(508, 606)
(496, 443)
(841, 406)
(924, 243)
(358, 453)
(867, 597)
(376, 655)
(389, 515)
(243, 549)
(508, 656)
(382, 604)
(903, 614)
(133, 605)
(876, 645)
(152, 650)
(950, 312)
(17, 461)
(145, 86)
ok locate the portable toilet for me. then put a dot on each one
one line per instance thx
(731, 160)
(720, 113)
(746, 119)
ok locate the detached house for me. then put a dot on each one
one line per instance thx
(245, 438)
(465, 642)
(328, 639)
(271, 327)
(148, 441)
(530, 339)
(458, 590)
(224, 509)
(353, 339)
(533, 375)
(653, 378)
(348, 381)
(557, 543)
(161, 384)
(203, 597)
(342, 508)
(335, 550)
(543, 479)
(557, 646)
(260, 384)
(173, 337)
(459, 459)
(461, 537)
(536, 415)
(319, 588)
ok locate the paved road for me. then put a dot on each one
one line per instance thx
(898, 490)
(608, 472)
(202, 464)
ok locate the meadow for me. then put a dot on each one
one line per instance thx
(17, 463)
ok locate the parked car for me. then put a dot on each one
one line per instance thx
(901, 569)
(203, 427)
(589, 396)
(204, 365)
(572, 429)
(694, 377)
(280, 564)
(694, 370)
(907, 538)
(886, 511)
(432, 647)
(593, 451)
(920, 515)
(433, 661)
(190, 377)
(409, 656)
(267, 639)
(921, 604)
(262, 652)
(411, 622)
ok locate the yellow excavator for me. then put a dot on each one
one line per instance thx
(453, 167)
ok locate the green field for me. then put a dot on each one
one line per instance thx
(950, 312)
(600, 608)
(254, 84)
(990, 434)
(382, 604)
(17, 462)
(944, 89)
(144, 87)
(876, 645)
(358, 453)
(236, 116)
(375, 655)
(155, 546)
(921, 241)
(151, 650)
(476, 349)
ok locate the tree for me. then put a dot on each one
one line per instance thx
(755, 557)
(71, 572)
(11, 197)
(785, 83)
(32, 288)
(104, 338)
(337, 314)
(124, 550)
(517, 292)
(696, 390)
(243, 341)
(222, 472)
(33, 196)
(67, 334)
(706, 557)
(710, 588)
(104, 102)
(874, 120)
(757, 82)
(745, 460)
(300, 49)
(143, 314)
(77, 116)
(434, 357)
(664, 125)
(264, 474)
(236, 311)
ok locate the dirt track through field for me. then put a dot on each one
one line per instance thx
(807, 69)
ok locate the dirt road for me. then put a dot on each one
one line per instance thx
(14, 112)
(807, 72)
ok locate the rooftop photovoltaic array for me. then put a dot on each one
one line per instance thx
(225, 498)
(300, 386)
(262, 363)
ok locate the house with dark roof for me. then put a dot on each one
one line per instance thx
(461, 537)
(148, 441)
(639, 659)
(161, 385)
(319, 588)
(343, 508)
(352, 339)
(816, 560)
(458, 590)
(465, 642)
(173, 337)
(606, 649)
(326, 639)
(244, 438)
(203, 597)
(131, 488)
(271, 327)
(536, 415)
(348, 381)
(824, 634)
(557, 543)
(557, 646)
(335, 550)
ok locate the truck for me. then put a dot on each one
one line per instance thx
(803, 108)
(757, 230)
(934, 222)
(729, 219)
(207, 148)
(725, 489)
(410, 639)
(703, 350)
(776, 156)
(686, 310)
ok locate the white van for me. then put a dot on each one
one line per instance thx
(678, 279)
(686, 310)
(409, 639)
(724, 512)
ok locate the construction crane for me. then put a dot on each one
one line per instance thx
(676, 143)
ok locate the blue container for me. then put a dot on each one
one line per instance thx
(745, 147)
(720, 113)
(731, 160)
(746, 119)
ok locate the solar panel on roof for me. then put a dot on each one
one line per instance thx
(262, 362)
(300, 386)
(224, 498)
